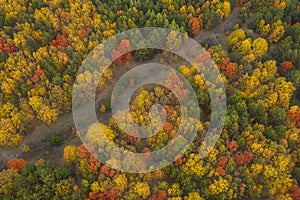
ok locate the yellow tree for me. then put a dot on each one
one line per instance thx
(194, 166)
(245, 47)
(121, 182)
(227, 8)
(259, 47)
(236, 37)
(277, 31)
(47, 114)
(175, 190)
(142, 189)
(264, 28)
(70, 153)
(285, 91)
(220, 185)
(8, 86)
(193, 196)
(60, 98)
(7, 178)
(13, 124)
(64, 187)
(174, 41)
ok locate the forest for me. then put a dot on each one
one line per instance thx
(255, 45)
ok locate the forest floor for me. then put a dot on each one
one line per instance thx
(217, 35)
(39, 140)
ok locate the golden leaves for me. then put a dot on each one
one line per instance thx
(220, 185)
(174, 41)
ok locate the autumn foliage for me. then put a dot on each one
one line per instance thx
(93, 163)
(169, 110)
(84, 32)
(123, 53)
(147, 153)
(168, 127)
(294, 115)
(230, 69)
(221, 165)
(61, 41)
(5, 47)
(195, 25)
(294, 191)
(16, 163)
(37, 75)
(43, 44)
(174, 81)
(105, 169)
(179, 160)
(161, 195)
(286, 66)
(232, 145)
(243, 158)
(107, 195)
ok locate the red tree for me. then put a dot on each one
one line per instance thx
(229, 68)
(221, 165)
(131, 138)
(232, 145)
(94, 164)
(174, 81)
(168, 126)
(61, 41)
(203, 58)
(243, 158)
(16, 163)
(285, 67)
(295, 117)
(83, 152)
(123, 53)
(107, 195)
(179, 159)
(107, 171)
(5, 47)
(84, 32)
(161, 195)
(294, 191)
(147, 153)
(195, 25)
(169, 110)
(37, 75)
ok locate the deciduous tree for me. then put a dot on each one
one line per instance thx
(16, 163)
